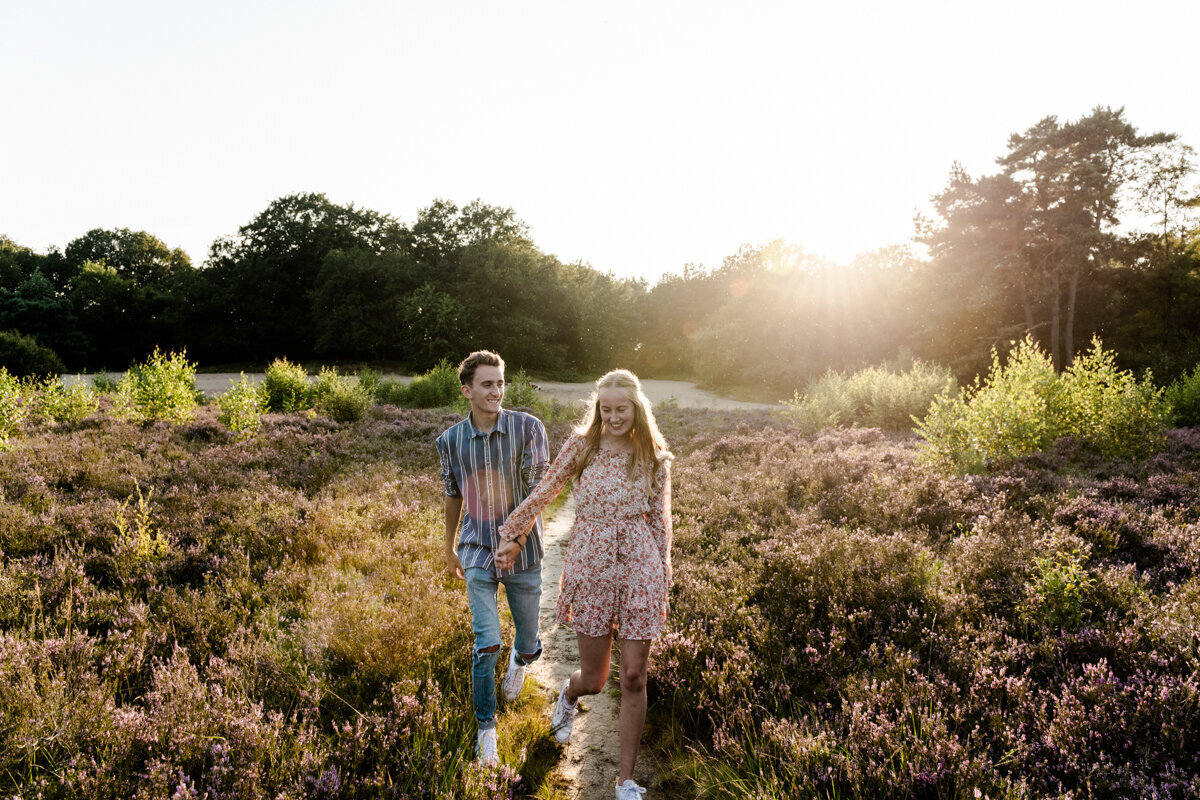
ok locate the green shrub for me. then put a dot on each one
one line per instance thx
(875, 397)
(286, 387)
(12, 406)
(105, 383)
(1183, 396)
(242, 407)
(163, 387)
(436, 388)
(1120, 415)
(1059, 591)
(138, 538)
(370, 380)
(1023, 406)
(341, 397)
(391, 392)
(25, 356)
(51, 400)
(1015, 412)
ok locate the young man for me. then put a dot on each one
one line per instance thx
(490, 462)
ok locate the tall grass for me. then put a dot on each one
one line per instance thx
(875, 397)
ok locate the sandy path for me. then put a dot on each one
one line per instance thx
(683, 393)
(588, 767)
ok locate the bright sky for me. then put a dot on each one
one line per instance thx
(635, 136)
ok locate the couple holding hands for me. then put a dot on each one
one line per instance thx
(495, 467)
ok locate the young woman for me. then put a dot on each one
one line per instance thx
(618, 565)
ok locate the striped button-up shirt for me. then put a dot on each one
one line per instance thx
(493, 472)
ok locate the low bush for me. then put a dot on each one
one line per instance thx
(1023, 406)
(340, 397)
(1120, 415)
(436, 388)
(163, 387)
(1183, 396)
(24, 356)
(286, 387)
(13, 410)
(105, 383)
(391, 391)
(370, 379)
(876, 397)
(53, 401)
(242, 406)
(520, 392)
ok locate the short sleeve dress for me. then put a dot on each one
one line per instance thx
(618, 566)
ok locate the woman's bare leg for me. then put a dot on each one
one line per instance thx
(595, 658)
(635, 657)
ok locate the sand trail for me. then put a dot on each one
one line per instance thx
(588, 768)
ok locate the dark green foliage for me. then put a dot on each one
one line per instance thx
(35, 309)
(253, 299)
(357, 307)
(135, 256)
(24, 356)
(1183, 396)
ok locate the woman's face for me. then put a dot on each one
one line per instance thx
(616, 411)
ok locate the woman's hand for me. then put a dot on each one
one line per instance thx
(506, 555)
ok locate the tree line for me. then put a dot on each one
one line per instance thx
(1086, 228)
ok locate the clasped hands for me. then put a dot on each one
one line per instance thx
(506, 554)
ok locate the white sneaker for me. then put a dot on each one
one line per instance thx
(563, 718)
(629, 790)
(485, 748)
(514, 679)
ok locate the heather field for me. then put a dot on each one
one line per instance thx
(186, 612)
(850, 622)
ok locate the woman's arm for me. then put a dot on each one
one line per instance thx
(659, 517)
(520, 521)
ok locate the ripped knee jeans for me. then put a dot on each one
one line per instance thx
(524, 593)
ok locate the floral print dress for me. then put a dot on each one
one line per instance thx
(618, 565)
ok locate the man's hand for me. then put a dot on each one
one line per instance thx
(506, 555)
(453, 566)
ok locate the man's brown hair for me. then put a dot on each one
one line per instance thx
(466, 370)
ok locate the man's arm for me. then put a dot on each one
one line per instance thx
(453, 517)
(535, 455)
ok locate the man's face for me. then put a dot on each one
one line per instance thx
(486, 390)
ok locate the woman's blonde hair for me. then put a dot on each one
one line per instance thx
(649, 446)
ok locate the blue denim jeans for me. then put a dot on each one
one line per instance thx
(524, 592)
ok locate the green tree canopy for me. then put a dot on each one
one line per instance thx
(1029, 237)
(255, 299)
(136, 256)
